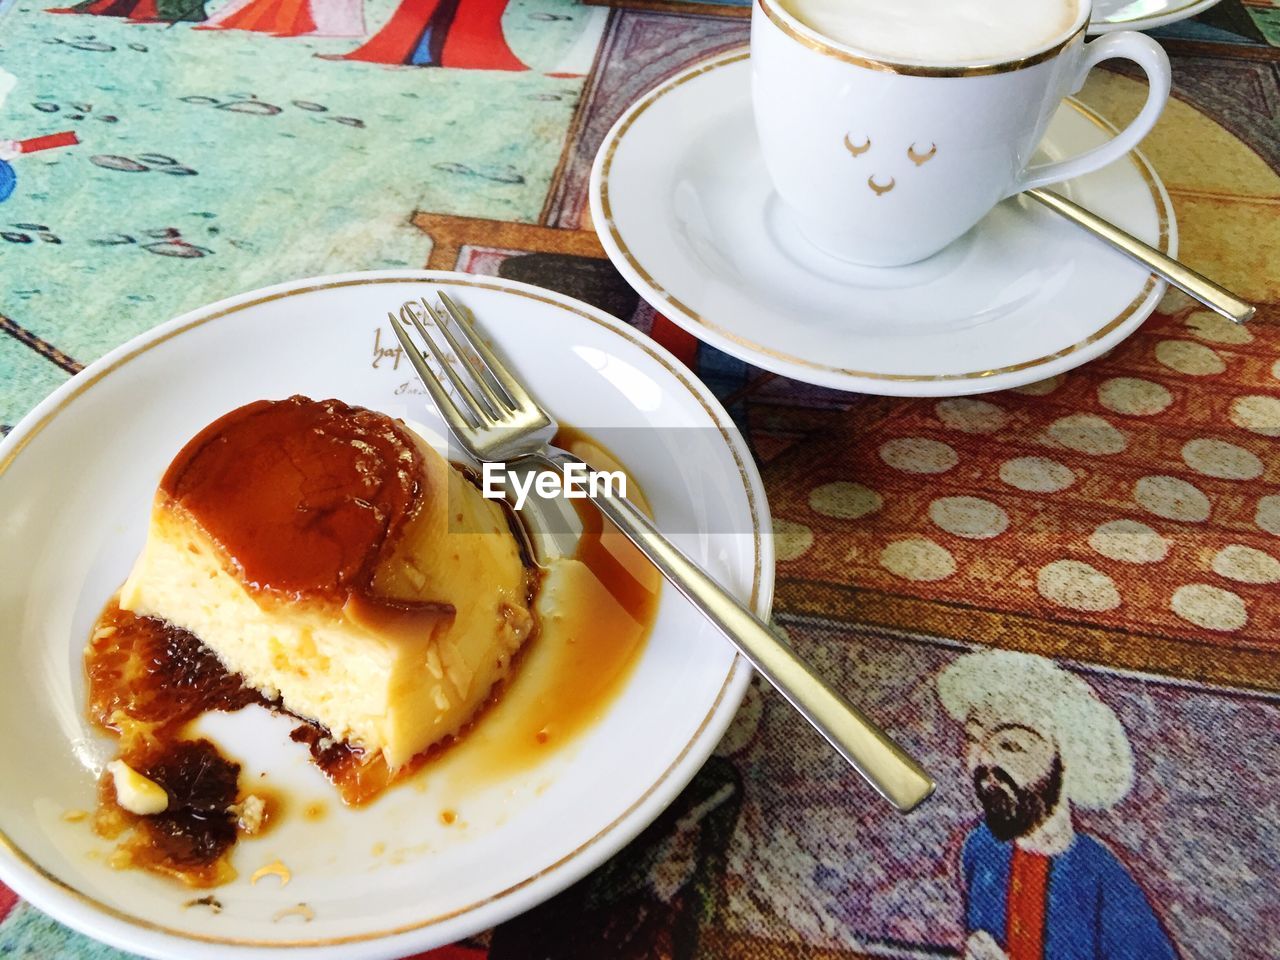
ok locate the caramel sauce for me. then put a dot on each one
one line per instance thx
(149, 679)
(315, 811)
(191, 839)
(304, 497)
(357, 778)
(586, 646)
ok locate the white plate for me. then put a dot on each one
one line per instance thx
(1109, 15)
(76, 479)
(683, 205)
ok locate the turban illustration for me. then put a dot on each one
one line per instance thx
(1035, 692)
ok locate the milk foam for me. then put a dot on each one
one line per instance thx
(939, 31)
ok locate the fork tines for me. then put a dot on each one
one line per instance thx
(485, 394)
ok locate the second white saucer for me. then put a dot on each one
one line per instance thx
(1109, 15)
(685, 210)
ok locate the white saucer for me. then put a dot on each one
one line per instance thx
(1109, 15)
(683, 205)
(390, 879)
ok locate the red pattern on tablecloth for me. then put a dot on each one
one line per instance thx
(452, 952)
(7, 900)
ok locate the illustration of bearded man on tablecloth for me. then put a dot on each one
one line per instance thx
(1040, 742)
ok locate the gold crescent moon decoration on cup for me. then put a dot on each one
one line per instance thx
(920, 159)
(879, 190)
(988, 153)
(856, 151)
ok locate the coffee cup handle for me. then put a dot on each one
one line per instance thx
(1126, 45)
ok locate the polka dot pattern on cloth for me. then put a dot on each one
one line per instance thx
(1267, 516)
(1077, 586)
(1193, 359)
(1257, 414)
(1036, 474)
(1086, 433)
(918, 559)
(1210, 607)
(791, 540)
(1089, 499)
(1217, 458)
(919, 455)
(844, 500)
(1246, 565)
(970, 517)
(1172, 498)
(1207, 325)
(1134, 397)
(971, 416)
(1129, 541)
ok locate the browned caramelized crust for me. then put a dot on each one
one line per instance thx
(147, 679)
(191, 839)
(147, 674)
(303, 496)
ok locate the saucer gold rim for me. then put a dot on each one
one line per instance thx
(616, 136)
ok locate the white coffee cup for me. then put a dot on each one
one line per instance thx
(885, 163)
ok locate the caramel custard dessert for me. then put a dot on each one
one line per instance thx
(308, 545)
(325, 562)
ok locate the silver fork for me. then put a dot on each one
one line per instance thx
(498, 421)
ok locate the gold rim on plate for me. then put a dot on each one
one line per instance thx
(723, 60)
(83, 382)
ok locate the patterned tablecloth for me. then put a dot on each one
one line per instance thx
(1094, 557)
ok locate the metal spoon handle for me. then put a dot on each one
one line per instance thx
(1215, 297)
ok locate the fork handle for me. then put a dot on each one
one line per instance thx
(884, 764)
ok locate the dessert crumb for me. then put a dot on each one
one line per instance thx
(212, 902)
(137, 793)
(300, 910)
(274, 869)
(250, 814)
